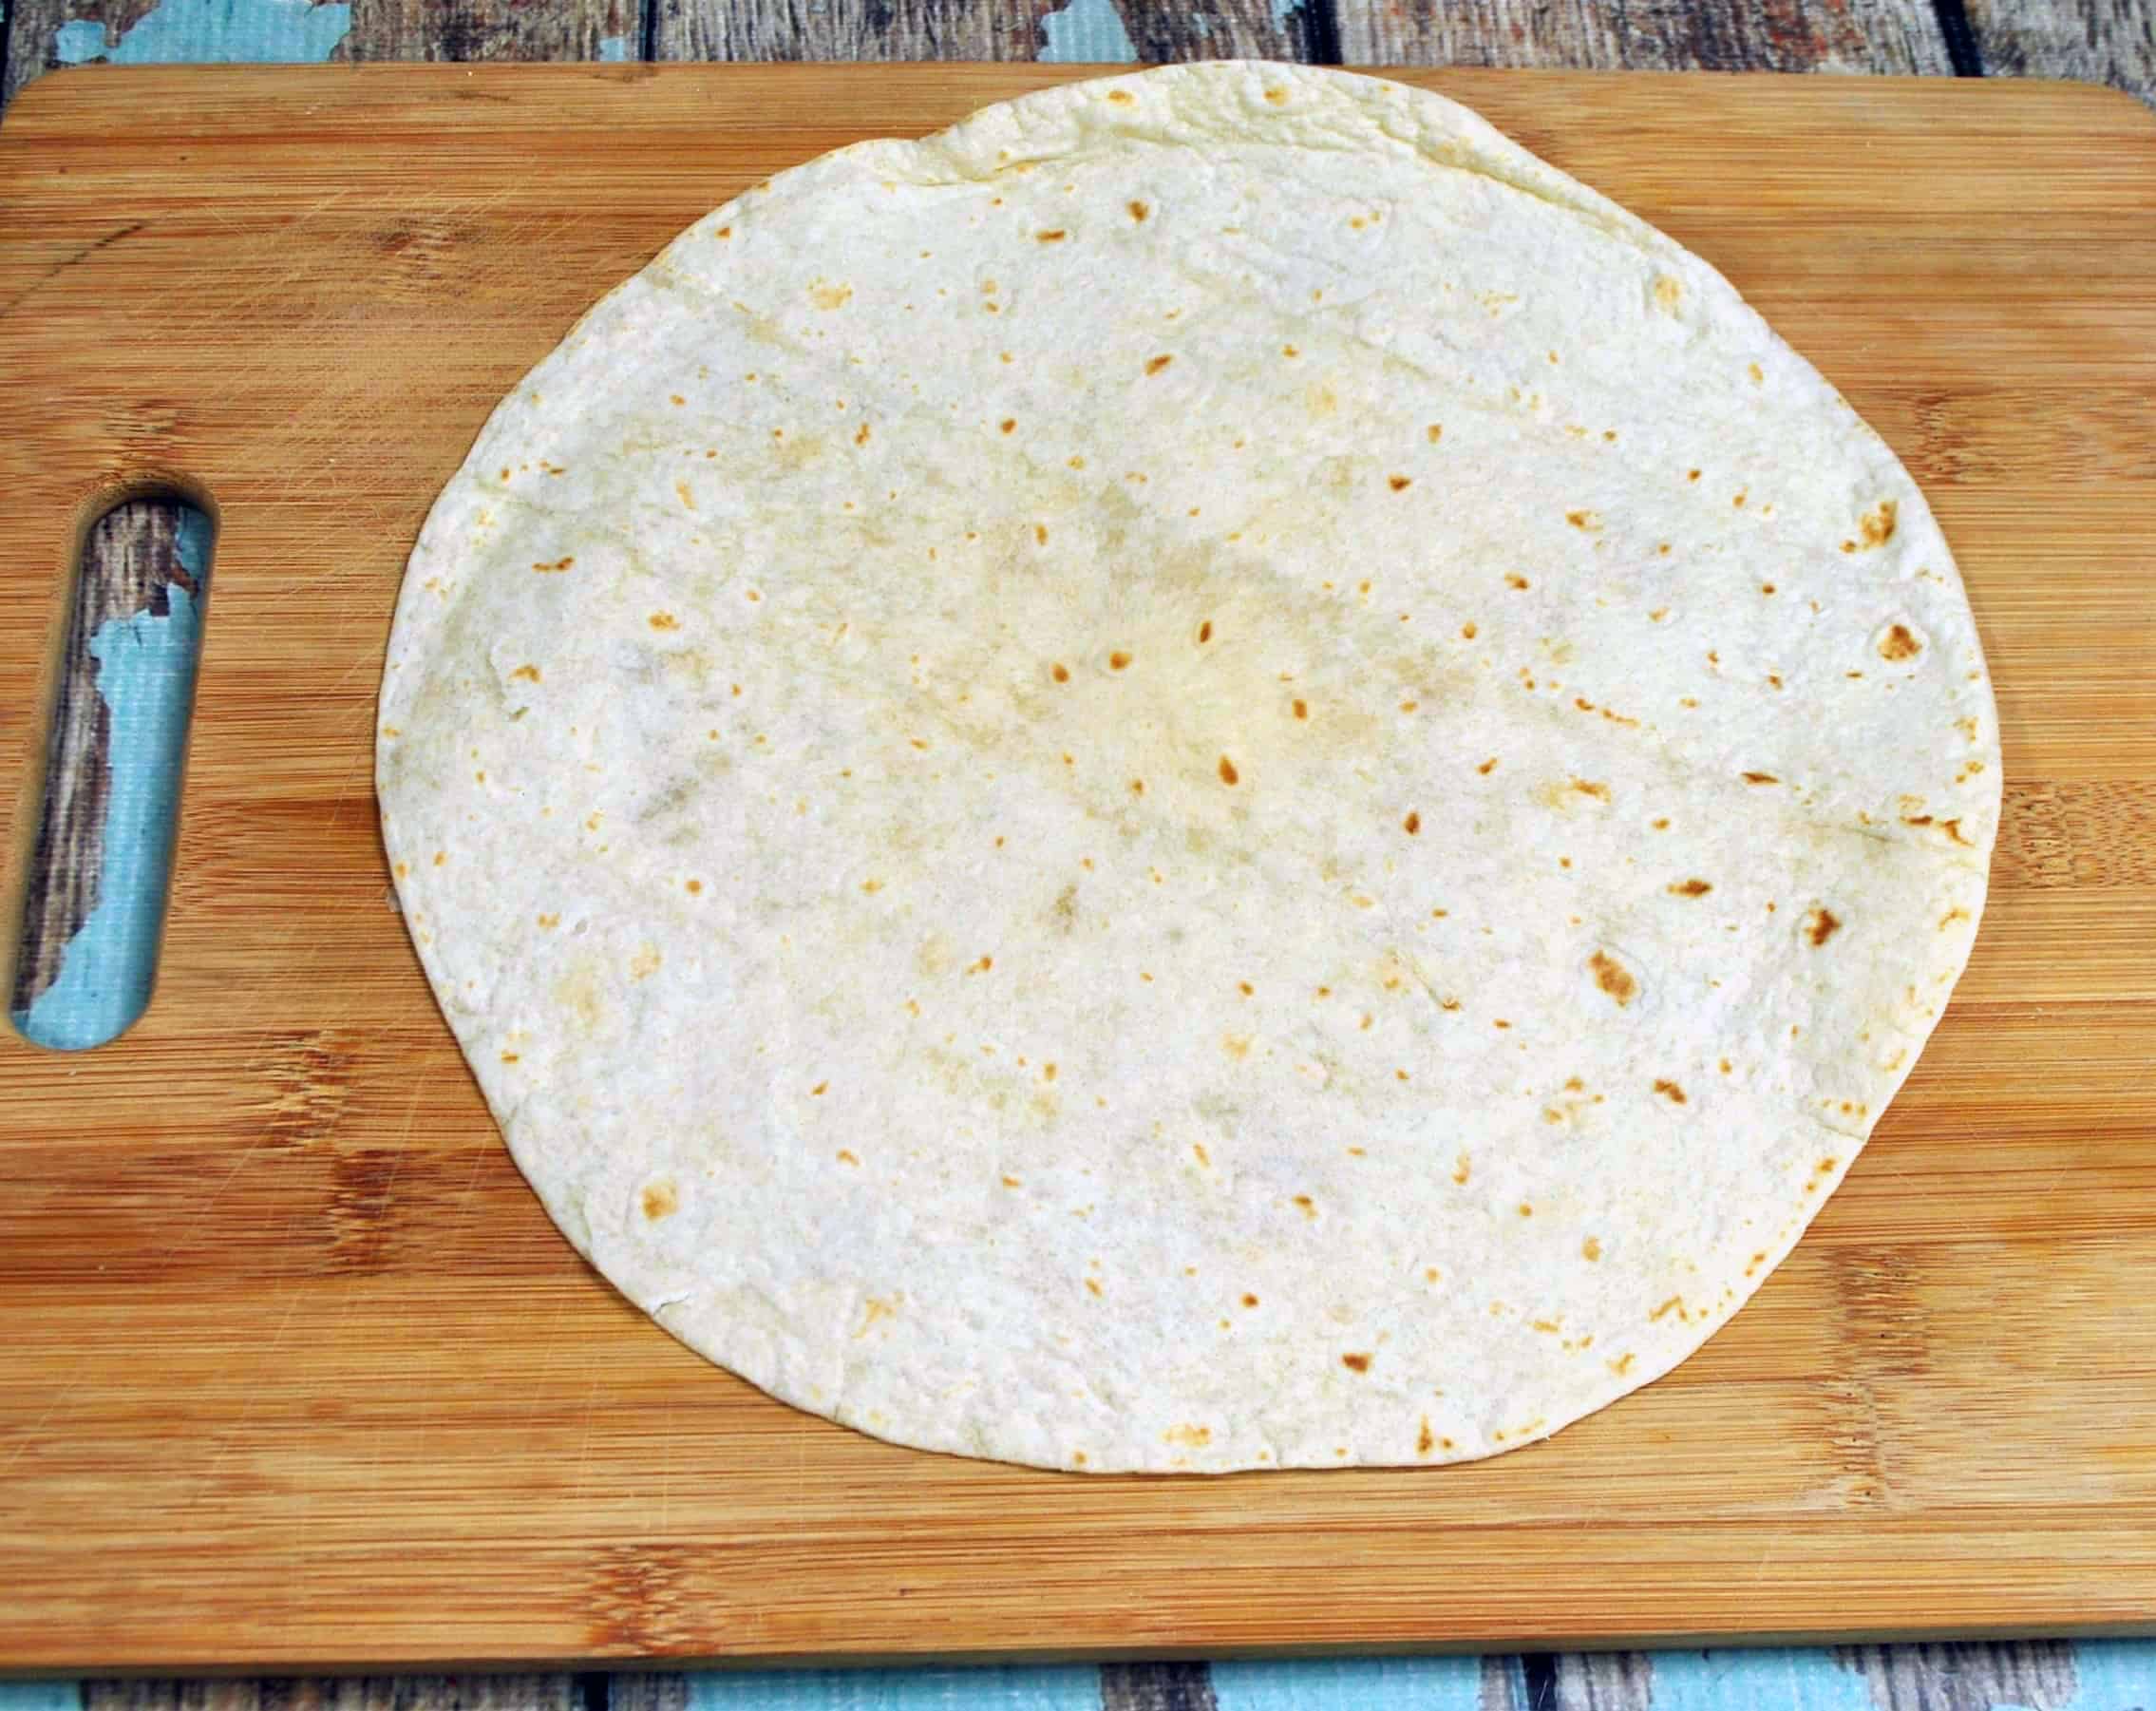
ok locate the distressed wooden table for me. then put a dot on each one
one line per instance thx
(135, 562)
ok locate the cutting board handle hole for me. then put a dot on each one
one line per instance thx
(100, 864)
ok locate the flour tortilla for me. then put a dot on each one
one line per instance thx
(1207, 774)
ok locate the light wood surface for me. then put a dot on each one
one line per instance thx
(299, 1372)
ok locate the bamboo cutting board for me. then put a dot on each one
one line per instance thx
(294, 1370)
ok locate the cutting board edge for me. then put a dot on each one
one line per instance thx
(73, 87)
(18, 1665)
(2042, 1606)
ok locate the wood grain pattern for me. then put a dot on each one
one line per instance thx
(1901, 36)
(130, 559)
(2099, 41)
(475, 31)
(351, 1693)
(1157, 1688)
(299, 1372)
(1157, 30)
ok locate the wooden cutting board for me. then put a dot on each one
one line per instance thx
(293, 1371)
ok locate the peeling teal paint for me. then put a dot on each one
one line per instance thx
(79, 41)
(1283, 11)
(1351, 1685)
(614, 49)
(40, 1696)
(1791, 1681)
(212, 32)
(146, 678)
(1086, 32)
(1053, 1687)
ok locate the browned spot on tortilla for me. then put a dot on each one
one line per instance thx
(1399, 482)
(1412, 824)
(560, 564)
(1191, 1438)
(1138, 786)
(1227, 769)
(1666, 291)
(1309, 1205)
(861, 438)
(1877, 525)
(1591, 1249)
(660, 1200)
(544, 921)
(1822, 925)
(1121, 97)
(1613, 978)
(1526, 1210)
(511, 1057)
(1487, 765)
(1588, 521)
(1093, 1284)
(830, 296)
(1425, 1440)
(1462, 1169)
(1759, 778)
(1250, 1301)
(1040, 533)
(1055, 237)
(1689, 888)
(1670, 1091)
(529, 674)
(664, 620)
(1278, 97)
(1059, 672)
(1500, 1022)
(1118, 660)
(693, 887)
(1303, 710)
(982, 966)
(1158, 363)
(1587, 786)
(1737, 500)
(1137, 210)
(1514, 579)
(1467, 631)
(1621, 1366)
(1900, 643)
(1355, 1363)
(1206, 632)
(819, 1089)
(1676, 1301)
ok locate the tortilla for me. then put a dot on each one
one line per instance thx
(1208, 774)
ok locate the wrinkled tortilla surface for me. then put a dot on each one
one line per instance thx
(1207, 774)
